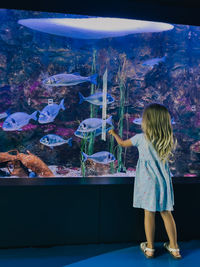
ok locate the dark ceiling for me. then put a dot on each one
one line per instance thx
(173, 11)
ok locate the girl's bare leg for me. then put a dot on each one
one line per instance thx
(170, 227)
(149, 226)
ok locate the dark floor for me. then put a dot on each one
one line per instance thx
(103, 255)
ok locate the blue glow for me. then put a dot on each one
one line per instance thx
(94, 28)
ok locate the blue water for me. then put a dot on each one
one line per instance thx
(155, 66)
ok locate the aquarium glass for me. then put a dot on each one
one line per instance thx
(66, 80)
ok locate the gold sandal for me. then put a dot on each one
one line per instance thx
(143, 247)
(170, 250)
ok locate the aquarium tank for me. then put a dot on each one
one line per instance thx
(66, 80)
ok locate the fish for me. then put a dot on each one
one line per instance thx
(65, 79)
(172, 121)
(154, 61)
(91, 124)
(96, 99)
(138, 121)
(87, 136)
(4, 114)
(102, 157)
(49, 113)
(17, 120)
(52, 140)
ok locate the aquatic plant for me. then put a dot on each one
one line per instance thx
(92, 107)
(83, 148)
(111, 149)
(121, 78)
(127, 117)
(87, 147)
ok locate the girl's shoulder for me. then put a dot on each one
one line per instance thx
(136, 139)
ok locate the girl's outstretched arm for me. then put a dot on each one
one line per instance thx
(123, 143)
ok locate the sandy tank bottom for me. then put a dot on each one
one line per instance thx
(76, 172)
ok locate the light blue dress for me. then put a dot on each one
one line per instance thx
(153, 188)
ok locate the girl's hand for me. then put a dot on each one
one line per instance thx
(112, 132)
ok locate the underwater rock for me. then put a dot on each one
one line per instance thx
(4, 173)
(197, 119)
(21, 163)
(96, 169)
(35, 164)
(64, 131)
(48, 128)
(194, 167)
(195, 147)
(62, 170)
(19, 169)
(6, 156)
(131, 169)
(9, 160)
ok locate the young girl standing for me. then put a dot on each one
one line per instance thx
(153, 189)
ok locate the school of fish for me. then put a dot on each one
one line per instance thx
(16, 121)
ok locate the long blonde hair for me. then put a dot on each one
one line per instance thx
(156, 125)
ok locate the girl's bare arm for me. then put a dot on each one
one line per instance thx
(123, 143)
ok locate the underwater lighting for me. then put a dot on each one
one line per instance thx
(94, 28)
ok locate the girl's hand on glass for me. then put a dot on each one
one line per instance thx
(112, 132)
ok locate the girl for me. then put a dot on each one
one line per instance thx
(153, 189)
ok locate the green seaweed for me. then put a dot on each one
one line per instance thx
(92, 107)
(127, 121)
(122, 88)
(111, 149)
(83, 148)
(88, 147)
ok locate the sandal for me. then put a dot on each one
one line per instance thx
(143, 247)
(171, 250)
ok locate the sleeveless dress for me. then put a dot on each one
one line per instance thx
(153, 188)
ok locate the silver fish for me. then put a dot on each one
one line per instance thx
(49, 113)
(91, 124)
(52, 140)
(17, 120)
(96, 99)
(102, 157)
(4, 114)
(154, 61)
(64, 79)
(138, 121)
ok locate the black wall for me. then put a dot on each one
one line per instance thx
(172, 11)
(92, 211)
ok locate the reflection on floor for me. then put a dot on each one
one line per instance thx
(104, 255)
